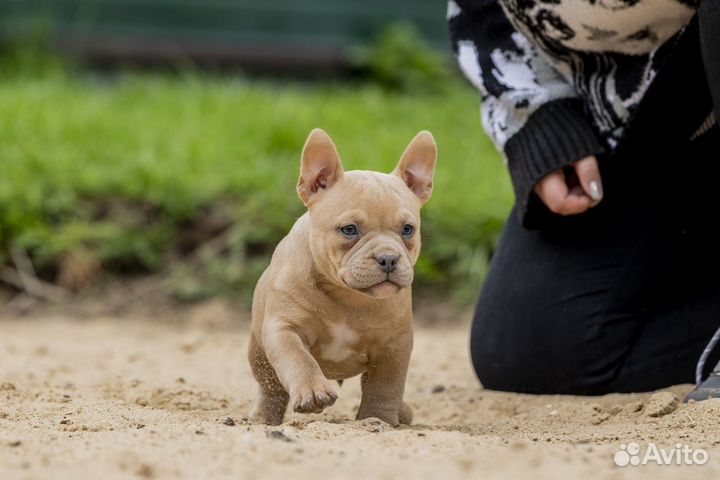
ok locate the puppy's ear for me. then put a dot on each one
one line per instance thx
(320, 167)
(417, 165)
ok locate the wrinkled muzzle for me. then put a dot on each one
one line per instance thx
(370, 266)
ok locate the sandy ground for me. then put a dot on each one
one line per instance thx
(146, 398)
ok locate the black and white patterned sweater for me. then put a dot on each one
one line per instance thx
(561, 79)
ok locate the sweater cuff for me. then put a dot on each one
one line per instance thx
(556, 135)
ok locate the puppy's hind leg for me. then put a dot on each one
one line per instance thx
(272, 399)
(405, 415)
(269, 407)
(383, 384)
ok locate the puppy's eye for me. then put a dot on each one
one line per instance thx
(408, 230)
(349, 230)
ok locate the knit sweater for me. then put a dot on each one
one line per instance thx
(562, 79)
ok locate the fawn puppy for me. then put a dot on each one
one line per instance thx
(335, 300)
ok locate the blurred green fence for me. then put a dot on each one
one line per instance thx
(271, 31)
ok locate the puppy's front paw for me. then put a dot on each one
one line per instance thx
(313, 397)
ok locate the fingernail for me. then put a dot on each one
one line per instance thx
(596, 191)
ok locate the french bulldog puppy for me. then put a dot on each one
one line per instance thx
(335, 300)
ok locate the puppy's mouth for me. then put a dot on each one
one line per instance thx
(384, 288)
(365, 277)
(386, 282)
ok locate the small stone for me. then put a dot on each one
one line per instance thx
(15, 443)
(278, 435)
(661, 404)
(438, 389)
(229, 422)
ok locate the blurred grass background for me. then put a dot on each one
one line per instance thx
(192, 174)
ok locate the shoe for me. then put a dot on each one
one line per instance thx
(709, 388)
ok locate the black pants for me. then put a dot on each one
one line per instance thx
(623, 298)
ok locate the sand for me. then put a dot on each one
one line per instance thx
(112, 398)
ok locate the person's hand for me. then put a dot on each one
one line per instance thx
(572, 190)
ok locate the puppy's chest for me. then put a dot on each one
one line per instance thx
(341, 351)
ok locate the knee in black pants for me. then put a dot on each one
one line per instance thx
(516, 353)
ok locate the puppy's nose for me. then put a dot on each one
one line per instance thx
(388, 263)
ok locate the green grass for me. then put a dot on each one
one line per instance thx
(123, 168)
